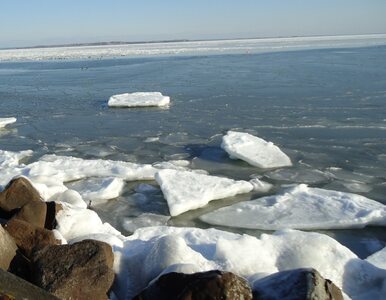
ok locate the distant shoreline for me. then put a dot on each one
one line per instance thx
(116, 43)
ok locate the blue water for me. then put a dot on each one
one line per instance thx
(325, 108)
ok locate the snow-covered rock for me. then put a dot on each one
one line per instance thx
(173, 248)
(6, 121)
(138, 99)
(301, 207)
(254, 150)
(185, 190)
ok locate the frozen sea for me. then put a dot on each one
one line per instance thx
(322, 101)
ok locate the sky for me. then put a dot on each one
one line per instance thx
(47, 22)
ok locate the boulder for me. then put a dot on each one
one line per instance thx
(13, 287)
(7, 249)
(34, 213)
(298, 284)
(79, 271)
(17, 193)
(214, 285)
(39, 213)
(29, 237)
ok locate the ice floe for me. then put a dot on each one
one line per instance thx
(68, 168)
(254, 150)
(301, 207)
(378, 259)
(185, 190)
(138, 99)
(98, 190)
(152, 251)
(6, 121)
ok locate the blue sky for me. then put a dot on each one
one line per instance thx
(28, 22)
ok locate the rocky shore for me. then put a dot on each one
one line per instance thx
(35, 265)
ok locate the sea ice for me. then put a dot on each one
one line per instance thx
(378, 259)
(11, 159)
(152, 251)
(6, 121)
(68, 168)
(98, 190)
(301, 207)
(144, 220)
(138, 99)
(254, 150)
(185, 190)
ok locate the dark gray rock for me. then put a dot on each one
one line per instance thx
(298, 284)
(17, 193)
(211, 285)
(79, 271)
(7, 249)
(13, 287)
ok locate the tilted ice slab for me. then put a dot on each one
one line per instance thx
(185, 190)
(378, 259)
(152, 251)
(68, 168)
(138, 99)
(301, 207)
(254, 150)
(98, 190)
(6, 121)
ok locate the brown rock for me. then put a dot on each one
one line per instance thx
(29, 237)
(213, 285)
(39, 213)
(298, 284)
(7, 249)
(79, 271)
(13, 287)
(33, 212)
(17, 193)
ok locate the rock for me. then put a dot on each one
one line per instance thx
(17, 193)
(214, 285)
(39, 213)
(298, 284)
(34, 213)
(79, 271)
(13, 287)
(29, 237)
(7, 249)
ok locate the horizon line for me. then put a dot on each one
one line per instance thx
(114, 43)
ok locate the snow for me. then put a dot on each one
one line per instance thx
(301, 207)
(152, 251)
(185, 190)
(6, 121)
(254, 150)
(98, 190)
(138, 99)
(10, 159)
